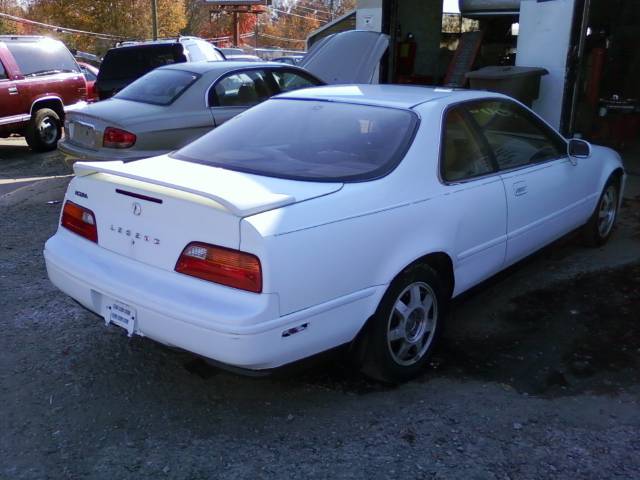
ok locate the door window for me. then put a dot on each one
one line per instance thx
(241, 90)
(463, 156)
(288, 80)
(516, 137)
(43, 57)
(3, 73)
(88, 74)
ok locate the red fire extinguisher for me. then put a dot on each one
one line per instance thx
(406, 56)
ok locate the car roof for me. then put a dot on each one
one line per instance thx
(398, 96)
(220, 66)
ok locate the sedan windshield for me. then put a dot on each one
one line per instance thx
(308, 140)
(160, 87)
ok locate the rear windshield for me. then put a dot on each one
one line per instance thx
(160, 87)
(308, 140)
(133, 62)
(42, 58)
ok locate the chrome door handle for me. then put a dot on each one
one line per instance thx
(13, 90)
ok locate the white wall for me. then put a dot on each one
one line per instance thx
(543, 41)
(369, 15)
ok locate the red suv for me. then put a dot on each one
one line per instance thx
(39, 81)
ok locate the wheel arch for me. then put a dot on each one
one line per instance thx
(440, 261)
(52, 102)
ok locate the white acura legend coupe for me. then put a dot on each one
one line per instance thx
(324, 217)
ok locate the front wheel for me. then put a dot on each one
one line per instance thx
(401, 334)
(44, 130)
(599, 227)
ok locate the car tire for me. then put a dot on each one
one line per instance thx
(397, 342)
(44, 130)
(597, 230)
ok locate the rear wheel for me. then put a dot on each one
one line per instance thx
(400, 336)
(44, 130)
(599, 227)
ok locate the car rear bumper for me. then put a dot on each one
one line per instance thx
(73, 152)
(229, 326)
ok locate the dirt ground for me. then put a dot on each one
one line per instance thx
(537, 376)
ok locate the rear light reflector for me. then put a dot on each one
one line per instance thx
(117, 138)
(225, 266)
(79, 220)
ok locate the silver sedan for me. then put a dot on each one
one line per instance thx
(173, 105)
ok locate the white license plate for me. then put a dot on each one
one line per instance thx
(82, 134)
(120, 314)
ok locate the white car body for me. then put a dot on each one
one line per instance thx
(328, 250)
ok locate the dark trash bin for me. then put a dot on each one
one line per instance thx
(521, 83)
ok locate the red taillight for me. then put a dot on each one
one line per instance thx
(117, 138)
(221, 265)
(79, 220)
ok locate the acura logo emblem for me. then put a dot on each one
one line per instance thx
(137, 209)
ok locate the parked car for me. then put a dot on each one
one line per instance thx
(173, 105)
(323, 217)
(39, 82)
(90, 75)
(239, 55)
(131, 60)
(290, 59)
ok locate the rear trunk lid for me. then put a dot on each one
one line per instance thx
(151, 209)
(347, 57)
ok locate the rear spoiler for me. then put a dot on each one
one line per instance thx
(230, 197)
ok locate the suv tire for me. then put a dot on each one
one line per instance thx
(44, 130)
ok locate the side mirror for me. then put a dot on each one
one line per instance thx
(579, 148)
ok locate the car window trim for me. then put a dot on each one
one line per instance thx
(498, 172)
(545, 127)
(244, 69)
(476, 135)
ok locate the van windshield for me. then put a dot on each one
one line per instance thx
(133, 62)
(308, 140)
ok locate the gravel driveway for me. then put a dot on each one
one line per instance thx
(538, 376)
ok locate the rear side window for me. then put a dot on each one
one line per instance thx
(133, 62)
(160, 87)
(3, 73)
(42, 58)
(195, 54)
(88, 74)
(516, 137)
(308, 140)
(209, 52)
(288, 80)
(463, 156)
(241, 89)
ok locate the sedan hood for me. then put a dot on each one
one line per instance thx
(346, 57)
(241, 194)
(120, 112)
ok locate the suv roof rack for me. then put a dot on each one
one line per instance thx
(127, 43)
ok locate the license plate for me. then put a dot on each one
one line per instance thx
(122, 315)
(82, 134)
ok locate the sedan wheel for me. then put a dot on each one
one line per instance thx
(598, 229)
(607, 210)
(398, 339)
(412, 324)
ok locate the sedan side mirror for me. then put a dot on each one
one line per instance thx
(579, 148)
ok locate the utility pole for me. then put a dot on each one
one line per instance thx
(331, 9)
(154, 18)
